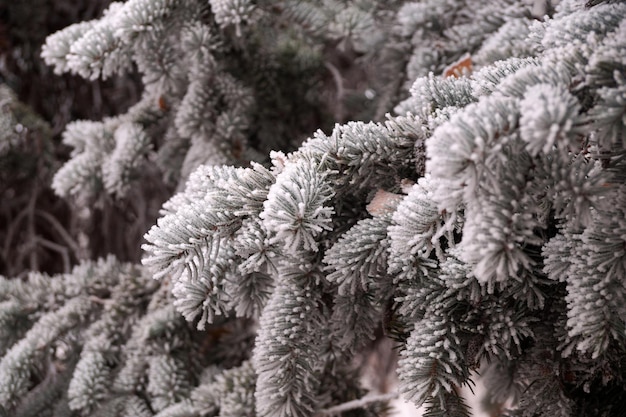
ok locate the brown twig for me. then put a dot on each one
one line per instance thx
(359, 403)
(339, 113)
(61, 231)
(9, 237)
(33, 259)
(62, 250)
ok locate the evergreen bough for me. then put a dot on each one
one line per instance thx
(481, 224)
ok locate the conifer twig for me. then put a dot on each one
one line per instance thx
(340, 89)
(62, 232)
(359, 403)
(60, 249)
(33, 258)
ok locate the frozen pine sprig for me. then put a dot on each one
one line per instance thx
(21, 363)
(295, 213)
(169, 381)
(248, 189)
(357, 156)
(573, 26)
(557, 264)
(551, 71)
(201, 78)
(355, 319)
(86, 135)
(415, 15)
(357, 266)
(216, 105)
(418, 227)
(486, 80)
(214, 276)
(609, 116)
(89, 49)
(98, 52)
(133, 405)
(216, 198)
(199, 41)
(183, 240)
(142, 15)
(356, 24)
(506, 331)
(309, 15)
(510, 40)
(237, 391)
(430, 368)
(159, 323)
(202, 181)
(438, 93)
(249, 292)
(201, 295)
(160, 67)
(185, 236)
(57, 46)
(607, 58)
(595, 297)
(288, 349)
(433, 285)
(232, 391)
(253, 245)
(357, 261)
(90, 385)
(485, 21)
(131, 145)
(82, 175)
(576, 188)
(194, 119)
(193, 73)
(549, 119)
(498, 229)
(214, 113)
(528, 378)
(106, 155)
(237, 13)
(439, 32)
(96, 302)
(460, 150)
(229, 392)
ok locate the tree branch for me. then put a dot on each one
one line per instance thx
(360, 403)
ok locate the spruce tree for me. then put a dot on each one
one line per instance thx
(479, 224)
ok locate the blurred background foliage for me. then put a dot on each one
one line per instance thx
(41, 231)
(38, 230)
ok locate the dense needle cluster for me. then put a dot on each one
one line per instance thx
(480, 226)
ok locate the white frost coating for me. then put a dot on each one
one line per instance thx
(131, 144)
(294, 212)
(233, 13)
(57, 46)
(548, 117)
(417, 223)
(98, 52)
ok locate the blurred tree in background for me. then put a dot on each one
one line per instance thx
(43, 103)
